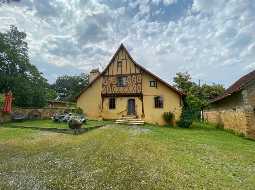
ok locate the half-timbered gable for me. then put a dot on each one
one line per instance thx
(122, 77)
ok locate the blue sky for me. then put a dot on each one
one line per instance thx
(213, 40)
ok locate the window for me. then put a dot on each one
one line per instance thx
(119, 64)
(121, 81)
(158, 100)
(112, 103)
(153, 83)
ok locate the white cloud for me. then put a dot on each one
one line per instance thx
(165, 2)
(213, 40)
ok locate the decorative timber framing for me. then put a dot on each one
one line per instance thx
(108, 75)
(122, 66)
(133, 85)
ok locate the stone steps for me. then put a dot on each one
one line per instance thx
(129, 120)
(129, 117)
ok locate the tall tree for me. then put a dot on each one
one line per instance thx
(17, 73)
(183, 82)
(196, 96)
(68, 87)
(204, 93)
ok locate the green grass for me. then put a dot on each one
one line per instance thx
(50, 124)
(123, 157)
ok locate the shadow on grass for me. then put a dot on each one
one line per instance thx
(56, 130)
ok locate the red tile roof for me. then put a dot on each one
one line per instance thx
(237, 86)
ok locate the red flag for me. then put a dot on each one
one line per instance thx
(8, 102)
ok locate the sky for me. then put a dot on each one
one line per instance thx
(213, 40)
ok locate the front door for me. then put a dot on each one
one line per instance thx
(131, 107)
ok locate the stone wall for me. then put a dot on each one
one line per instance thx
(235, 120)
(42, 113)
(250, 118)
(4, 117)
(236, 112)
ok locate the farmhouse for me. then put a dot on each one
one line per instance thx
(235, 109)
(125, 88)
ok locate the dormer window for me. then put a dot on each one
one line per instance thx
(153, 83)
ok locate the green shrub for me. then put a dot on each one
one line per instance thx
(169, 118)
(186, 118)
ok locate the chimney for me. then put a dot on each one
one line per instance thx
(94, 73)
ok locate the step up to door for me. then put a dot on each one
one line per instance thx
(129, 121)
(129, 117)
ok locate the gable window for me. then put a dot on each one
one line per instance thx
(119, 64)
(158, 101)
(121, 81)
(153, 83)
(112, 103)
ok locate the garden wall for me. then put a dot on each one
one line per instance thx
(4, 117)
(33, 113)
(229, 118)
(240, 120)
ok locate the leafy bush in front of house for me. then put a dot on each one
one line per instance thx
(169, 118)
(186, 118)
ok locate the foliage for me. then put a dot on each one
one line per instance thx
(1, 100)
(186, 118)
(51, 94)
(210, 92)
(197, 97)
(183, 82)
(17, 74)
(68, 87)
(169, 118)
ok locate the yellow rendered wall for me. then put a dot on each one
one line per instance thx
(90, 100)
(121, 108)
(91, 103)
(172, 101)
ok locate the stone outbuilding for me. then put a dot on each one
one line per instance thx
(235, 109)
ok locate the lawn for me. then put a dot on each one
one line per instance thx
(123, 157)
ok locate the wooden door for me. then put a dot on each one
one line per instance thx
(131, 107)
